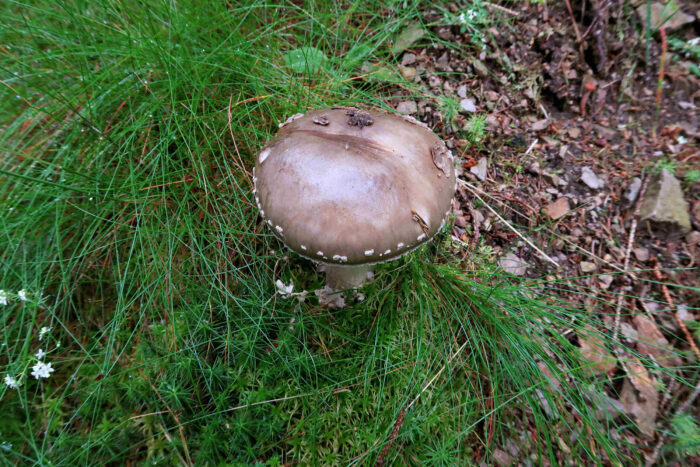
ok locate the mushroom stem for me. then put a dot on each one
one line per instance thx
(346, 277)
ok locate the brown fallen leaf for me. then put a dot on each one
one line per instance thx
(652, 342)
(557, 209)
(640, 396)
(593, 349)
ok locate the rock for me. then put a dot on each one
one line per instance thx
(408, 72)
(587, 266)
(540, 125)
(407, 107)
(605, 281)
(693, 238)
(642, 254)
(513, 265)
(408, 59)
(633, 189)
(663, 205)
(434, 81)
(667, 15)
(591, 179)
(480, 169)
(467, 105)
(480, 69)
(443, 61)
(407, 38)
(445, 34)
(462, 90)
(557, 209)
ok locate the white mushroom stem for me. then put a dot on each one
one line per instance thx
(346, 277)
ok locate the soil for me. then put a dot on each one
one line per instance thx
(553, 105)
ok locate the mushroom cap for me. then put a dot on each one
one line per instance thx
(346, 186)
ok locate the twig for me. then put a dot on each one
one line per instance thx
(394, 434)
(630, 242)
(240, 164)
(660, 83)
(680, 322)
(573, 21)
(662, 439)
(532, 245)
(503, 9)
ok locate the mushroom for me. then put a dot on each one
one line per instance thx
(351, 188)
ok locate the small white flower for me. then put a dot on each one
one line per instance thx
(40, 354)
(284, 289)
(5, 446)
(22, 294)
(43, 331)
(42, 370)
(4, 297)
(462, 18)
(11, 382)
(472, 14)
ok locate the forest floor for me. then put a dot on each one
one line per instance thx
(150, 317)
(569, 122)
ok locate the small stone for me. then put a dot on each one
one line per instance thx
(540, 125)
(664, 14)
(642, 254)
(664, 206)
(591, 179)
(443, 61)
(574, 132)
(633, 189)
(605, 281)
(408, 59)
(684, 314)
(434, 81)
(480, 169)
(587, 266)
(557, 209)
(462, 91)
(467, 105)
(407, 107)
(693, 238)
(513, 265)
(408, 72)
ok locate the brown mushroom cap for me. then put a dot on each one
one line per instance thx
(349, 187)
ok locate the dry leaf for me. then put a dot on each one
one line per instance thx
(593, 349)
(652, 342)
(640, 396)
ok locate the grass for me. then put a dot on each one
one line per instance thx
(128, 133)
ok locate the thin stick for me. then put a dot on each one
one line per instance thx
(240, 164)
(630, 242)
(532, 245)
(573, 21)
